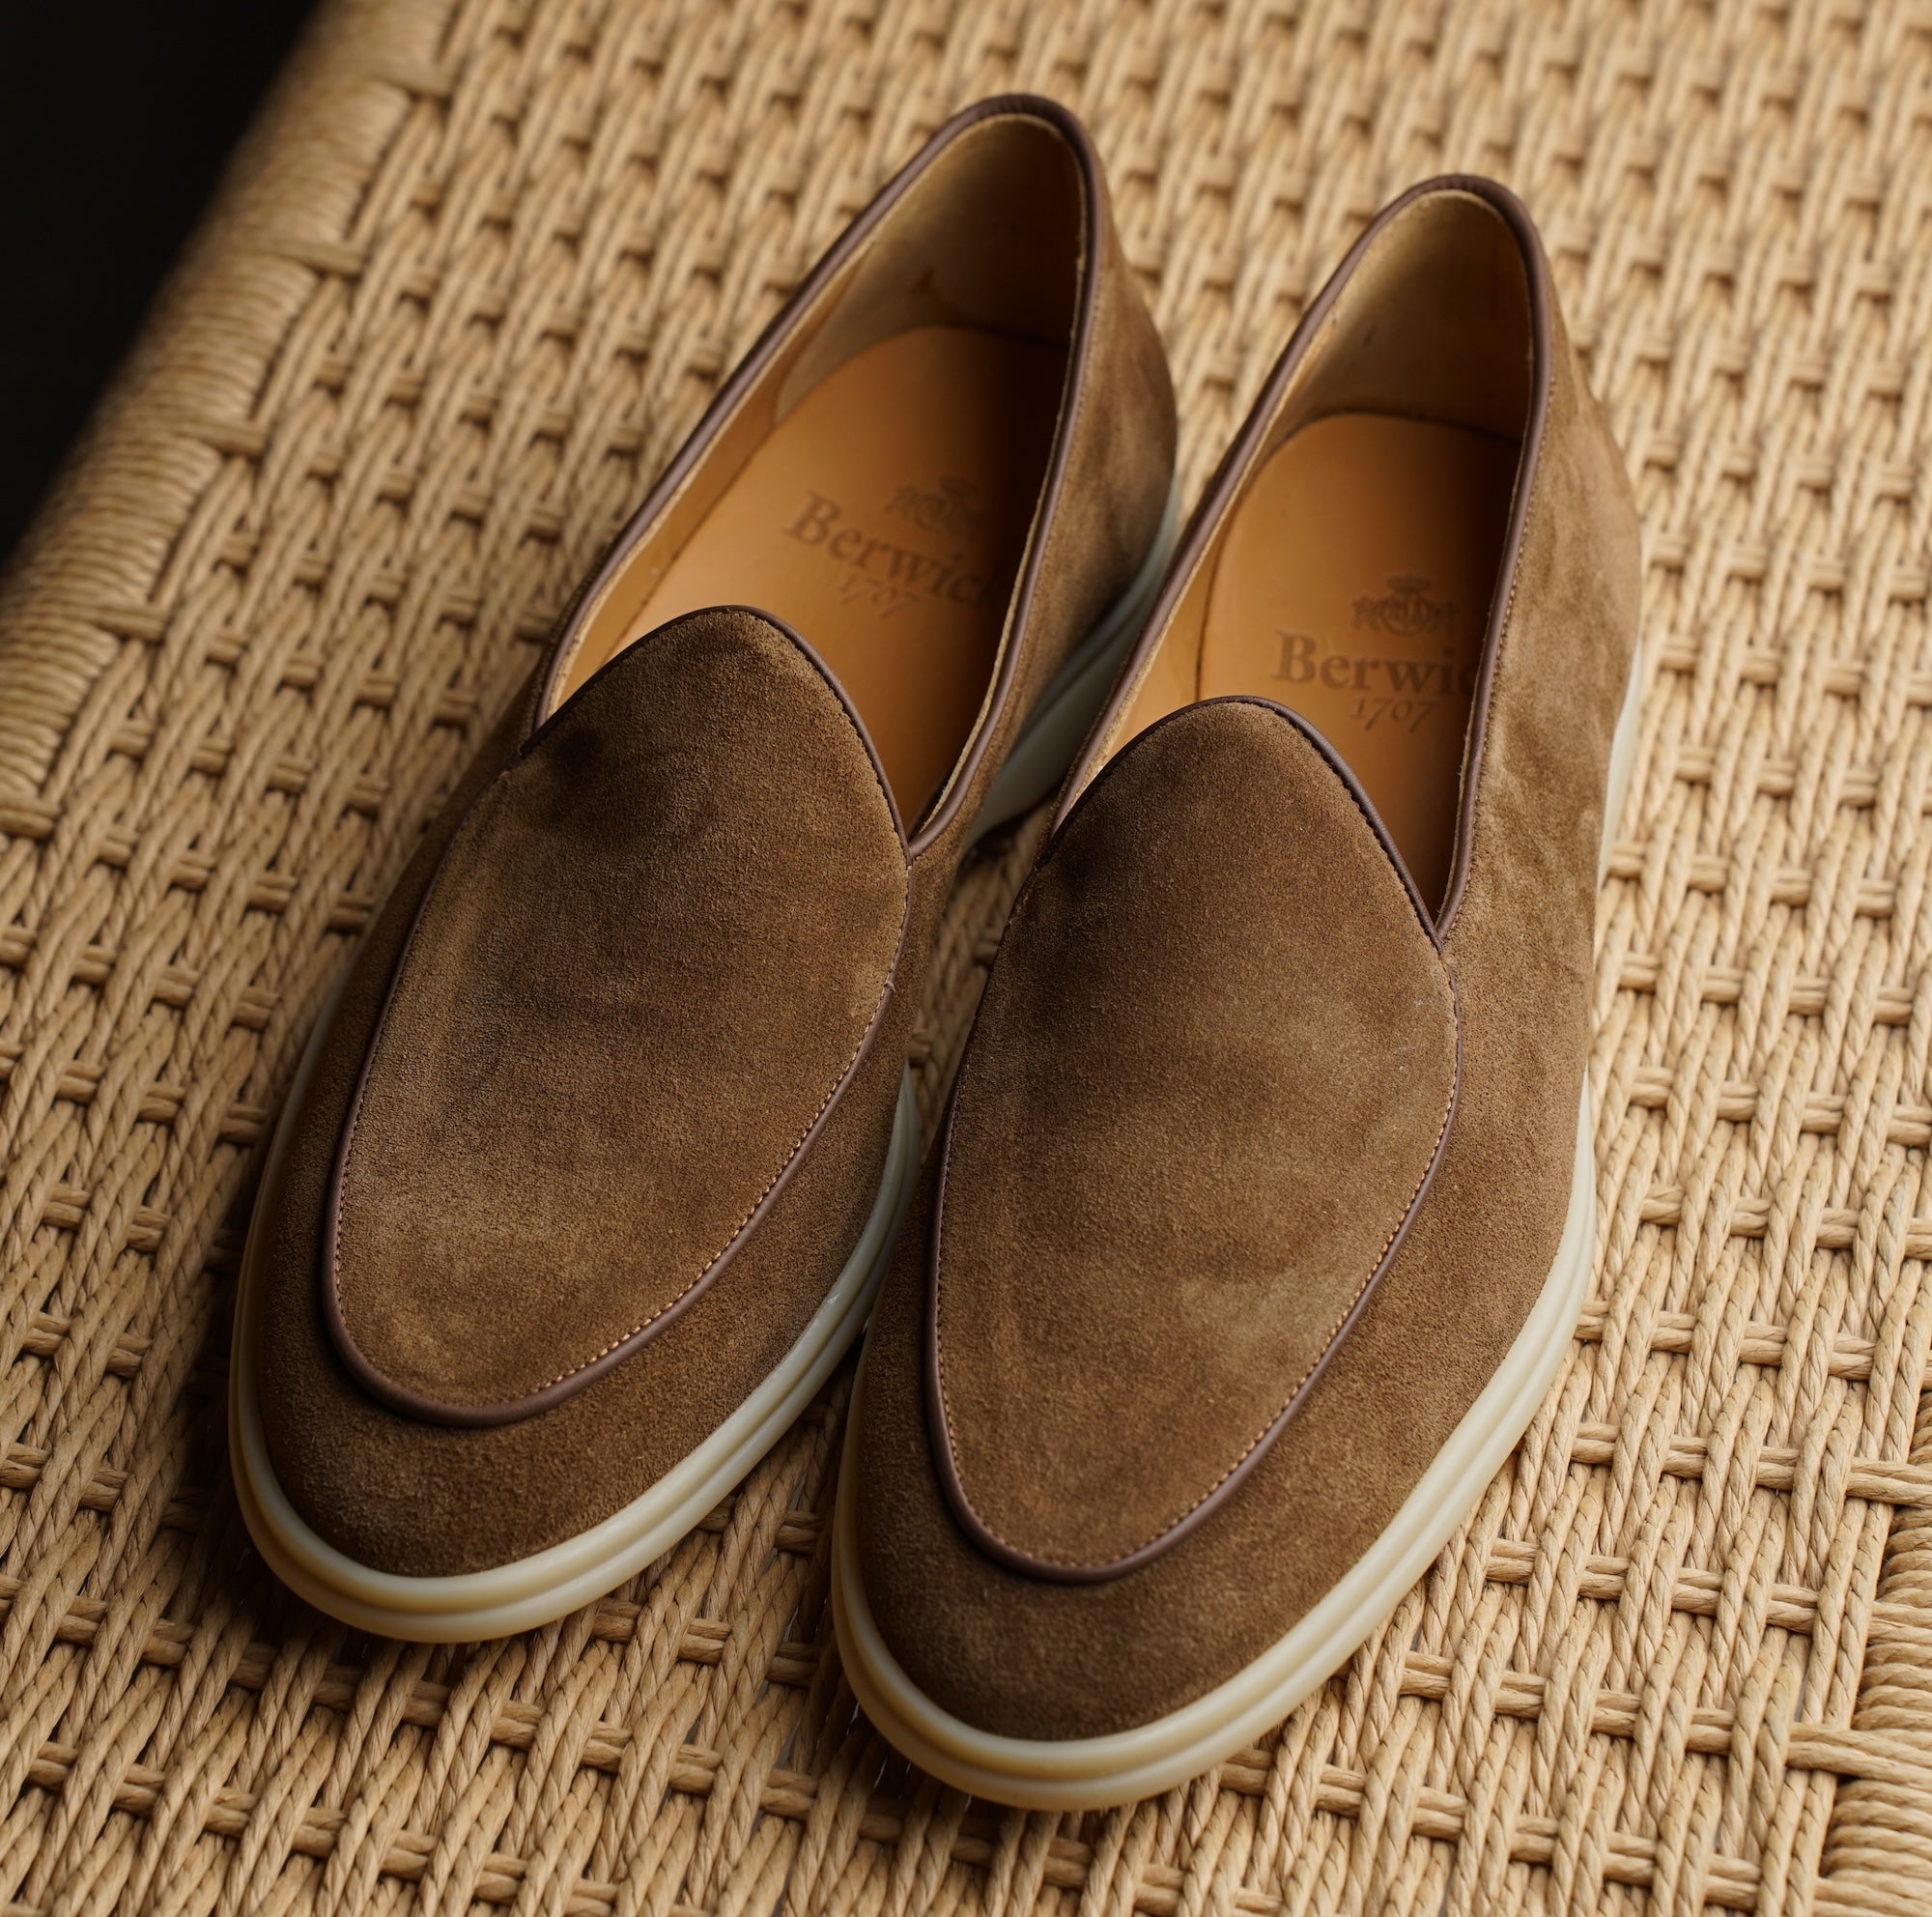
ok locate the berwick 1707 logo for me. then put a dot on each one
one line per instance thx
(1391, 689)
(885, 574)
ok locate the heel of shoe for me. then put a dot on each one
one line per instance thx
(1058, 724)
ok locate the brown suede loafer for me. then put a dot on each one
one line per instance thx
(592, 1169)
(1266, 1201)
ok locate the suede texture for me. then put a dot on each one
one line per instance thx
(419, 1495)
(1118, 436)
(1184, 1136)
(647, 962)
(1027, 1656)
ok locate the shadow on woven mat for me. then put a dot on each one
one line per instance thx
(474, 274)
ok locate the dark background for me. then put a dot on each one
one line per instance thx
(114, 124)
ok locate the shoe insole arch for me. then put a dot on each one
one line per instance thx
(884, 519)
(1353, 587)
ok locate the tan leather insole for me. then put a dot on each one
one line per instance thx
(884, 520)
(1353, 587)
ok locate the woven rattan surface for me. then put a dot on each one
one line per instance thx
(474, 277)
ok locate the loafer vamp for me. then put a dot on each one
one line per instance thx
(645, 970)
(1209, 1084)
(424, 1499)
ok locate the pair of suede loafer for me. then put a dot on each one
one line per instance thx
(1261, 1213)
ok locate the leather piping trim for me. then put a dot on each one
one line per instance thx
(965, 777)
(566, 1383)
(939, 1427)
(1230, 475)
(1542, 356)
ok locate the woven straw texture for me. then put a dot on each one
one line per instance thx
(470, 281)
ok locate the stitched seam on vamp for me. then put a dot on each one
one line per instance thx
(737, 1231)
(946, 1165)
(1260, 1437)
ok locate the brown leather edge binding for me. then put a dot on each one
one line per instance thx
(437, 1410)
(1011, 1557)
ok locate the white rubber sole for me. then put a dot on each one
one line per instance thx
(1091, 1773)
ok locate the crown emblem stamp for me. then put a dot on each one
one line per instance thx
(953, 506)
(1405, 609)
